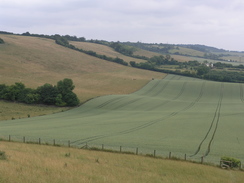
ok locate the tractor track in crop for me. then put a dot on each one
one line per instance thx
(110, 101)
(241, 93)
(145, 125)
(215, 118)
(166, 102)
(152, 88)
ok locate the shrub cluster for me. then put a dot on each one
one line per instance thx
(3, 155)
(60, 95)
(1, 41)
(231, 162)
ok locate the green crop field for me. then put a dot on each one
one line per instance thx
(176, 114)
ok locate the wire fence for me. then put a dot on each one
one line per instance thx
(109, 148)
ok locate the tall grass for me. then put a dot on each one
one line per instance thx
(35, 163)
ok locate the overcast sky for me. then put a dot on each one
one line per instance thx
(217, 23)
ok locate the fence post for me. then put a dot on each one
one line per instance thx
(54, 142)
(24, 139)
(169, 155)
(9, 138)
(137, 151)
(69, 143)
(120, 148)
(185, 157)
(154, 153)
(202, 160)
(102, 146)
(39, 140)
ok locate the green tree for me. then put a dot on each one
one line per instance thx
(48, 94)
(59, 101)
(67, 96)
(133, 63)
(71, 99)
(3, 90)
(201, 70)
(14, 92)
(65, 86)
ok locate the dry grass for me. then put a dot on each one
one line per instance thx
(150, 54)
(188, 51)
(36, 61)
(146, 53)
(10, 110)
(39, 163)
(104, 50)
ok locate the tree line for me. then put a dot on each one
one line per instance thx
(64, 42)
(59, 95)
(196, 70)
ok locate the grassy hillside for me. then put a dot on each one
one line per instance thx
(177, 114)
(104, 50)
(36, 61)
(39, 163)
(10, 110)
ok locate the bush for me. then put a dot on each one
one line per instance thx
(60, 95)
(3, 155)
(231, 162)
(1, 41)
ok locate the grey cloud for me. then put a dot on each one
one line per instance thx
(174, 21)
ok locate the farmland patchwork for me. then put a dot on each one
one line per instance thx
(176, 114)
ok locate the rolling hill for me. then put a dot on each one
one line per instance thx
(176, 114)
(36, 61)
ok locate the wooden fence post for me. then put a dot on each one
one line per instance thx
(169, 155)
(185, 157)
(154, 153)
(102, 146)
(9, 138)
(69, 143)
(54, 142)
(202, 160)
(137, 151)
(120, 148)
(24, 139)
(39, 140)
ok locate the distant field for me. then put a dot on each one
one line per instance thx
(145, 53)
(187, 51)
(177, 114)
(104, 50)
(36, 61)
